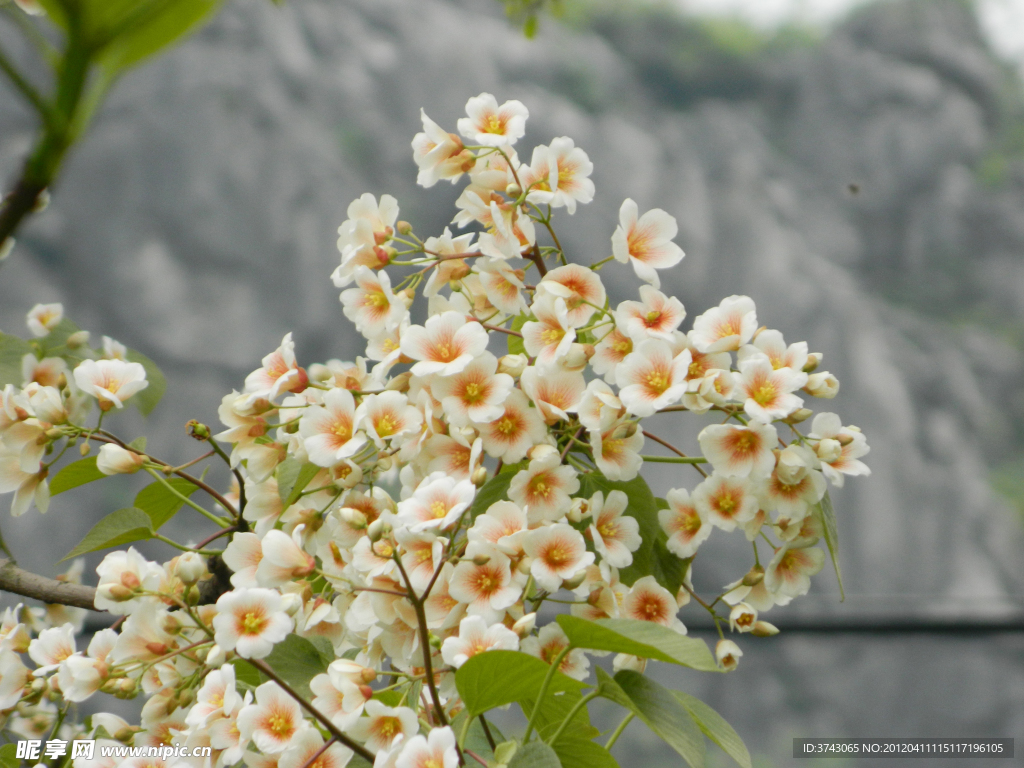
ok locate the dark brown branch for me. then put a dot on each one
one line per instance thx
(21, 582)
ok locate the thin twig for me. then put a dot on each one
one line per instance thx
(672, 448)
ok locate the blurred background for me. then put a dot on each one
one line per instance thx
(855, 167)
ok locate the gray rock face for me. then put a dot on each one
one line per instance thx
(197, 224)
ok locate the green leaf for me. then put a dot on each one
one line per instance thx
(653, 557)
(576, 752)
(639, 638)
(515, 343)
(554, 709)
(715, 728)
(496, 678)
(388, 698)
(536, 754)
(9, 756)
(75, 474)
(324, 647)
(149, 27)
(476, 739)
(157, 501)
(297, 661)
(495, 489)
(247, 673)
(120, 527)
(292, 478)
(138, 444)
(12, 350)
(659, 709)
(827, 513)
(147, 399)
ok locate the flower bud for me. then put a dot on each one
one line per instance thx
(754, 576)
(823, 385)
(578, 356)
(813, 361)
(479, 476)
(578, 578)
(403, 227)
(190, 568)
(541, 451)
(197, 431)
(625, 431)
(215, 656)
(513, 365)
(84, 448)
(578, 510)
(376, 530)
(115, 592)
(435, 641)
(115, 460)
(76, 340)
(791, 467)
(524, 565)
(799, 415)
(481, 559)
(384, 463)
(53, 433)
(407, 297)
(399, 383)
(513, 190)
(728, 654)
(829, 450)
(292, 603)
(764, 629)
(525, 625)
(354, 518)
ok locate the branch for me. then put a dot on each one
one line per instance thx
(21, 582)
(25, 88)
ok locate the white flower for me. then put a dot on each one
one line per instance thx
(736, 451)
(371, 305)
(475, 636)
(544, 487)
(558, 175)
(615, 535)
(556, 393)
(486, 589)
(115, 460)
(518, 429)
(122, 578)
(328, 431)
(727, 327)
(767, 391)
(439, 154)
(617, 450)
(436, 750)
(503, 286)
(558, 552)
(647, 600)
(338, 695)
(728, 654)
(491, 125)
(382, 725)
(742, 618)
(839, 448)
(686, 527)
(284, 560)
(549, 643)
(273, 721)
(309, 744)
(52, 647)
(110, 381)
(446, 345)
(552, 334)
(388, 416)
(725, 501)
(278, 373)
(646, 241)
(43, 318)
(771, 344)
(655, 316)
(474, 394)
(251, 621)
(28, 487)
(14, 677)
(789, 572)
(437, 502)
(652, 377)
(216, 698)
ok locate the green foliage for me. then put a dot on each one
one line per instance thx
(120, 527)
(496, 678)
(553, 711)
(297, 661)
(659, 710)
(292, 478)
(526, 12)
(157, 500)
(495, 489)
(715, 728)
(515, 343)
(75, 474)
(9, 756)
(576, 752)
(827, 514)
(536, 754)
(12, 350)
(638, 638)
(653, 557)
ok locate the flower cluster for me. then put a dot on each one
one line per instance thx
(417, 507)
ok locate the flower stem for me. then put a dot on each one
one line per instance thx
(555, 664)
(618, 730)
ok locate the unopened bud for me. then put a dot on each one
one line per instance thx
(813, 361)
(197, 431)
(513, 365)
(576, 580)
(577, 357)
(524, 565)
(376, 530)
(792, 465)
(368, 675)
(407, 296)
(823, 385)
(215, 656)
(579, 508)
(157, 649)
(764, 629)
(354, 518)
(513, 190)
(800, 414)
(844, 440)
(829, 450)
(525, 625)
(76, 340)
(190, 567)
(117, 592)
(403, 227)
(384, 463)
(479, 476)
(53, 433)
(541, 451)
(62, 382)
(481, 559)
(115, 460)
(435, 641)
(625, 431)
(399, 383)
(84, 448)
(754, 576)
(366, 692)
(291, 603)
(125, 735)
